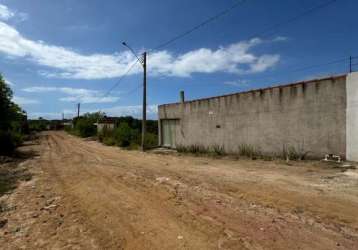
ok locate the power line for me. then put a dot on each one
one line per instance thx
(219, 15)
(226, 11)
(209, 20)
(292, 19)
(321, 65)
(200, 25)
(134, 90)
(120, 79)
(341, 60)
(116, 84)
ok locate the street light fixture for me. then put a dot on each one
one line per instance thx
(133, 52)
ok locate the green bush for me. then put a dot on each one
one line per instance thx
(9, 141)
(124, 135)
(7, 144)
(38, 125)
(109, 141)
(105, 133)
(68, 128)
(13, 120)
(17, 138)
(85, 128)
(151, 140)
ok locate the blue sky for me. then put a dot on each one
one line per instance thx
(57, 53)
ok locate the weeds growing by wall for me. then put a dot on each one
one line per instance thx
(250, 151)
(196, 149)
(245, 151)
(293, 153)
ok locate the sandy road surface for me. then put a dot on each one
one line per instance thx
(84, 195)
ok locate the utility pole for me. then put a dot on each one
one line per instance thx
(143, 62)
(78, 109)
(144, 118)
(350, 64)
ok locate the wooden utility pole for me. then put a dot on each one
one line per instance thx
(350, 64)
(78, 109)
(144, 117)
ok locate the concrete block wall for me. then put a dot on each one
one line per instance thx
(309, 116)
(352, 116)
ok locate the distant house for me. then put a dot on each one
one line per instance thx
(67, 123)
(106, 122)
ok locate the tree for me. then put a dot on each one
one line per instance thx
(5, 105)
(12, 120)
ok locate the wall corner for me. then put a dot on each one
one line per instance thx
(352, 117)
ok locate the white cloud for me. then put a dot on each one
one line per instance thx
(24, 100)
(67, 63)
(263, 63)
(135, 111)
(75, 94)
(237, 83)
(234, 58)
(5, 13)
(45, 115)
(280, 39)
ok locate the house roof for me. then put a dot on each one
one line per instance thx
(108, 119)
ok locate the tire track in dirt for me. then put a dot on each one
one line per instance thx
(122, 203)
(122, 178)
(121, 199)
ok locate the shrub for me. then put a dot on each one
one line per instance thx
(151, 140)
(17, 138)
(124, 135)
(13, 120)
(291, 153)
(68, 129)
(9, 140)
(104, 133)
(7, 143)
(85, 128)
(109, 141)
(38, 125)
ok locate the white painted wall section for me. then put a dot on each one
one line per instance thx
(352, 117)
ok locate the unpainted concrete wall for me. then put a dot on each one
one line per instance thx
(310, 116)
(352, 117)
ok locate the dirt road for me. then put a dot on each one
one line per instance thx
(84, 195)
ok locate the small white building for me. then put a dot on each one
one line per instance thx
(108, 123)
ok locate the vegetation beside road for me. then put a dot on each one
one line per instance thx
(13, 121)
(126, 134)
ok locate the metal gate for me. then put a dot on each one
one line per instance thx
(169, 128)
